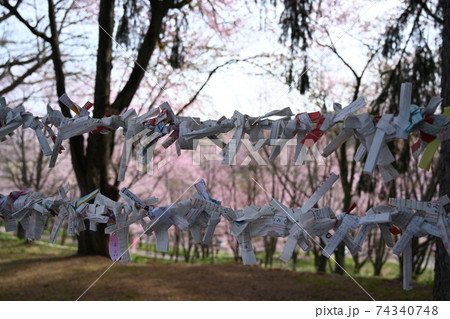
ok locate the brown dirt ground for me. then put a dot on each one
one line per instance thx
(54, 277)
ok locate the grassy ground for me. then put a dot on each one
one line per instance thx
(305, 263)
(40, 272)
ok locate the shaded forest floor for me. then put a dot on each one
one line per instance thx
(37, 272)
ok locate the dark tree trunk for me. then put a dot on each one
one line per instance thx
(20, 231)
(236, 255)
(92, 166)
(340, 259)
(270, 244)
(63, 236)
(441, 289)
(347, 189)
(187, 247)
(320, 261)
(177, 244)
(377, 252)
(159, 11)
(99, 145)
(359, 263)
(294, 260)
(377, 266)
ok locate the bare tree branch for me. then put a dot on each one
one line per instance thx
(431, 14)
(13, 10)
(15, 62)
(22, 78)
(123, 99)
(179, 4)
(104, 58)
(9, 14)
(211, 73)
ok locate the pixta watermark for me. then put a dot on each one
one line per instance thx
(146, 148)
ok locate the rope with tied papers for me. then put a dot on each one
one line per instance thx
(146, 130)
(200, 215)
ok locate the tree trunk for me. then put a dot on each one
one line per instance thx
(441, 289)
(270, 244)
(377, 266)
(347, 179)
(400, 265)
(294, 260)
(20, 231)
(63, 237)
(93, 165)
(320, 261)
(177, 245)
(359, 263)
(347, 189)
(99, 145)
(340, 259)
(236, 254)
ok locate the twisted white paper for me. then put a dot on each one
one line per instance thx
(200, 215)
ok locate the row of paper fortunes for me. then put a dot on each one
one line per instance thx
(145, 130)
(201, 214)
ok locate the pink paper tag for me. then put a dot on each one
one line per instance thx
(114, 250)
